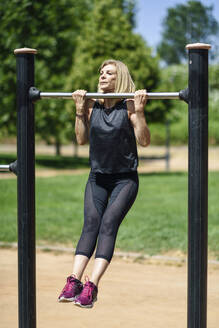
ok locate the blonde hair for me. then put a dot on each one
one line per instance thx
(124, 82)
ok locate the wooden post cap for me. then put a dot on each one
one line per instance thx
(25, 51)
(198, 46)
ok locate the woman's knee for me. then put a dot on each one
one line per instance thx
(109, 226)
(92, 223)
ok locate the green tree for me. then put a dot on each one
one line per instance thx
(174, 78)
(51, 27)
(108, 34)
(214, 104)
(183, 24)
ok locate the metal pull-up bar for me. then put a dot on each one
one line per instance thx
(35, 94)
(150, 95)
(12, 167)
(4, 167)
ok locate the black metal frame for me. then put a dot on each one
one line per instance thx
(198, 188)
(197, 98)
(26, 190)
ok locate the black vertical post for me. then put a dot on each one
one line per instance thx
(26, 189)
(198, 185)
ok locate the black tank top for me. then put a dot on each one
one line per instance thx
(112, 140)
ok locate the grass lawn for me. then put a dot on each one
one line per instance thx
(156, 223)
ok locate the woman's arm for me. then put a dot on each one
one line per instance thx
(137, 117)
(83, 112)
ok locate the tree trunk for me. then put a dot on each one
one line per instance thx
(75, 148)
(58, 147)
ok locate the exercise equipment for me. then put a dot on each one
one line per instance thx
(196, 95)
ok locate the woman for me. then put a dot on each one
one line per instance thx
(112, 127)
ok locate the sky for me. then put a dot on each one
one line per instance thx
(150, 14)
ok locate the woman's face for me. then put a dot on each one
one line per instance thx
(107, 79)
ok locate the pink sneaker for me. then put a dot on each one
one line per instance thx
(72, 288)
(88, 295)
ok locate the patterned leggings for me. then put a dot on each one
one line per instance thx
(108, 198)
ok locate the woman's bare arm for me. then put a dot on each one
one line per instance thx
(83, 112)
(137, 117)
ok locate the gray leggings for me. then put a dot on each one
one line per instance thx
(108, 198)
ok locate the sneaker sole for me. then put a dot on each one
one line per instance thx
(89, 306)
(66, 300)
(63, 299)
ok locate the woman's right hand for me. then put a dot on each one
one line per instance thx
(79, 99)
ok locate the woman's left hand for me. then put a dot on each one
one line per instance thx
(140, 100)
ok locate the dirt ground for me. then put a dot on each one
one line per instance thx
(131, 294)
